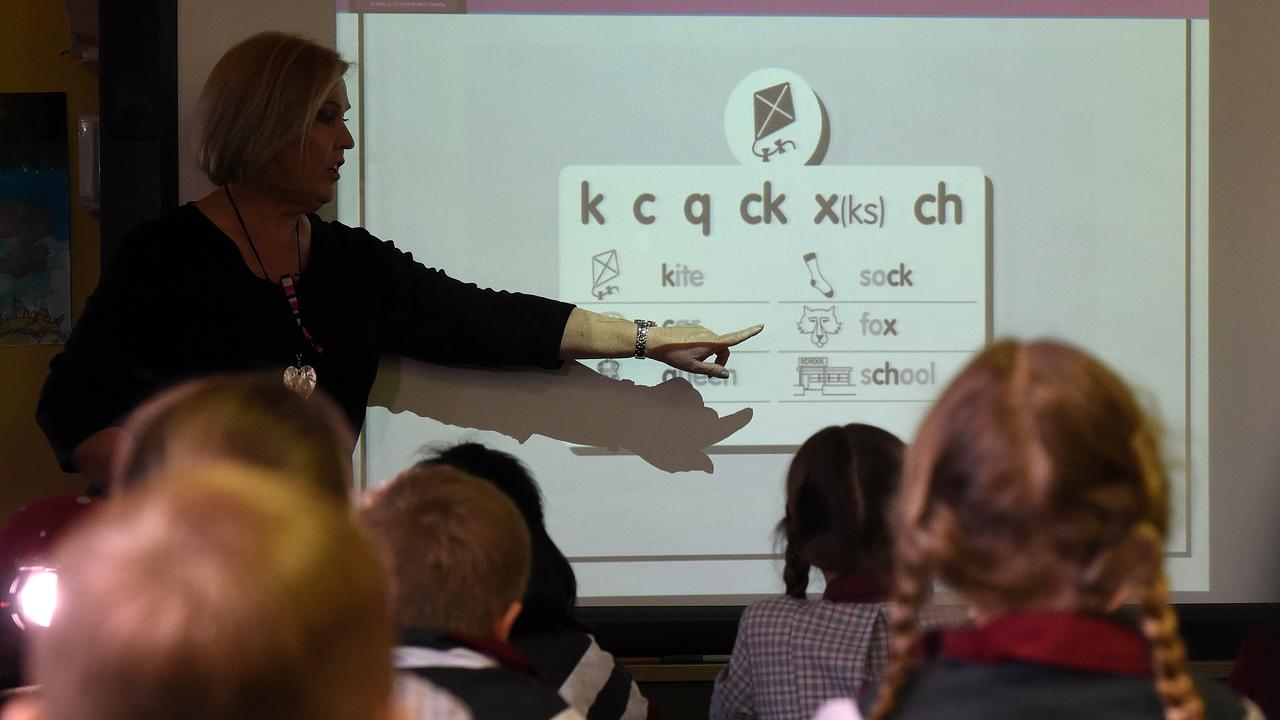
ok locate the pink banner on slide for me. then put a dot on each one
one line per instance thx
(839, 8)
(403, 6)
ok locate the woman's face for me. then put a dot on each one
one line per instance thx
(305, 173)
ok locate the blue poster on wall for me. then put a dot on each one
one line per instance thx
(35, 234)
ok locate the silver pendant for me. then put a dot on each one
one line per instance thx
(300, 379)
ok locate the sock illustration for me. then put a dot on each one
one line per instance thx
(815, 275)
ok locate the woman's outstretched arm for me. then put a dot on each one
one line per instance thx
(684, 347)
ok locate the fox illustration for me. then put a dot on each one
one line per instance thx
(819, 323)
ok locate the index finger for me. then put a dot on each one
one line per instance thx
(734, 338)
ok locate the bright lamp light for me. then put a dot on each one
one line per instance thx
(35, 595)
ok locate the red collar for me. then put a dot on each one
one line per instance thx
(1056, 639)
(864, 586)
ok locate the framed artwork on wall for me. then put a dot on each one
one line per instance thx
(35, 234)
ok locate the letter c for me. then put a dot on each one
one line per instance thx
(920, 216)
(637, 208)
(745, 211)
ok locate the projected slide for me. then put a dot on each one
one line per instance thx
(872, 280)
(885, 193)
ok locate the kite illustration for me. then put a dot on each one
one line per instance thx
(775, 110)
(604, 269)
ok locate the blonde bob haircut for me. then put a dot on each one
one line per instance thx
(262, 95)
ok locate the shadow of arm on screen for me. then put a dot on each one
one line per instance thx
(667, 425)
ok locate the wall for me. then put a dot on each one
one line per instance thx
(32, 35)
(1244, 299)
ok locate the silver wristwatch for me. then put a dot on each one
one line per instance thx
(642, 336)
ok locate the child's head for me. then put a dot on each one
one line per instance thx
(839, 488)
(232, 593)
(457, 548)
(252, 419)
(1034, 484)
(553, 590)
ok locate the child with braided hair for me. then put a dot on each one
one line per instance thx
(1034, 491)
(792, 653)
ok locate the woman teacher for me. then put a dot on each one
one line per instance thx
(248, 277)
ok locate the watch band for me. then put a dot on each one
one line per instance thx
(642, 336)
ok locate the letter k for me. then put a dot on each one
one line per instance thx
(589, 209)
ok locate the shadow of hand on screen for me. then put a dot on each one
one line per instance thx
(667, 425)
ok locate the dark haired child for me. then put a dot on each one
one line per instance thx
(792, 653)
(567, 656)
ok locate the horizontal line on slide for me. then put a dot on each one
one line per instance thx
(673, 302)
(877, 302)
(589, 451)
(869, 351)
(855, 400)
(733, 402)
(668, 558)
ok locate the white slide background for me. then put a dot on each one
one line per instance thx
(1085, 129)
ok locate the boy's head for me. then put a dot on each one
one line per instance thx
(250, 418)
(457, 547)
(552, 592)
(234, 593)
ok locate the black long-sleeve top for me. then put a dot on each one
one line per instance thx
(179, 302)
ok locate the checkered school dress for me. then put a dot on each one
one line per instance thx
(791, 655)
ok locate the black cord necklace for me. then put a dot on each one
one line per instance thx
(298, 377)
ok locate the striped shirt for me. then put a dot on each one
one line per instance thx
(590, 679)
(481, 686)
(421, 699)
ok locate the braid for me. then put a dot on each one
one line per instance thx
(904, 633)
(1168, 654)
(795, 572)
